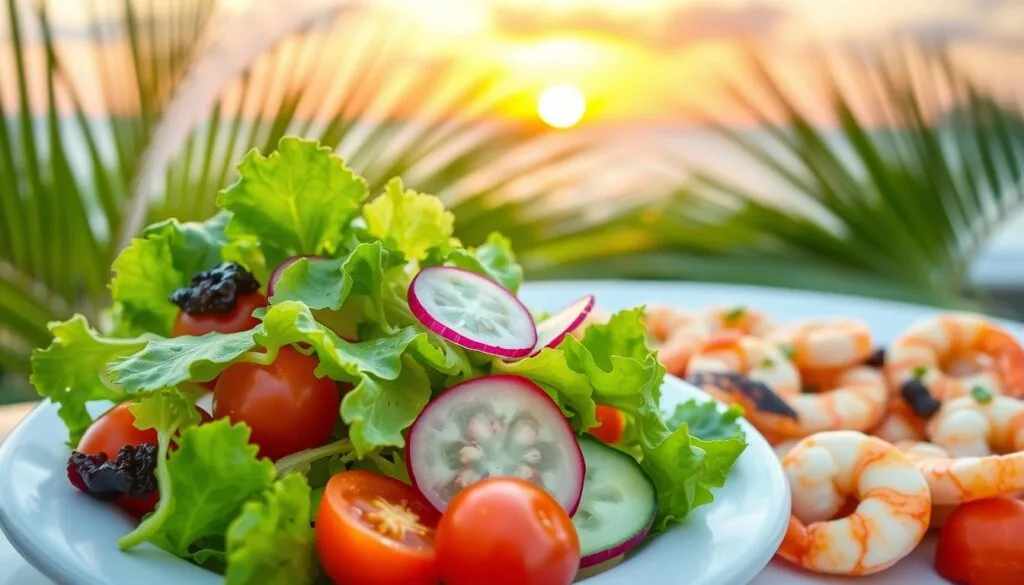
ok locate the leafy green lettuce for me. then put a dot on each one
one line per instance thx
(166, 257)
(407, 221)
(271, 540)
(612, 365)
(298, 200)
(203, 485)
(71, 371)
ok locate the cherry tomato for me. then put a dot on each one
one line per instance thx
(505, 531)
(115, 429)
(239, 319)
(982, 543)
(287, 407)
(375, 530)
(610, 424)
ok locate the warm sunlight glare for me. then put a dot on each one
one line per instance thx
(561, 105)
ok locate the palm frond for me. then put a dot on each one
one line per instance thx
(425, 120)
(891, 197)
(69, 146)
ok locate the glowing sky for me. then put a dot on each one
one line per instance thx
(655, 59)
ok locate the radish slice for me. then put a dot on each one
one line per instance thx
(551, 331)
(472, 311)
(618, 504)
(495, 426)
(276, 274)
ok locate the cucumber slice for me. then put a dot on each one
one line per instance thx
(618, 505)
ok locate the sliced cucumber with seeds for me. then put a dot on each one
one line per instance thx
(618, 505)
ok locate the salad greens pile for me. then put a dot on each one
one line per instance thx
(222, 506)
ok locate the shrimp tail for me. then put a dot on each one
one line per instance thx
(796, 542)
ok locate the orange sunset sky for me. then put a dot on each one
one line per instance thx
(638, 60)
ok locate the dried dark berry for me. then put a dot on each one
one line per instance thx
(919, 398)
(133, 472)
(876, 359)
(763, 398)
(215, 290)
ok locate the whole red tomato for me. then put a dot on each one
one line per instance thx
(287, 407)
(982, 543)
(505, 531)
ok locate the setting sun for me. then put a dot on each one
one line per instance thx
(561, 105)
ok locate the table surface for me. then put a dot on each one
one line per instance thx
(16, 571)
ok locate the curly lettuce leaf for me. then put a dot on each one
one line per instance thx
(297, 200)
(613, 365)
(271, 541)
(407, 221)
(706, 420)
(71, 371)
(331, 283)
(166, 257)
(377, 410)
(167, 362)
(682, 467)
(203, 485)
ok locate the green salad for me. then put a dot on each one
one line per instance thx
(339, 332)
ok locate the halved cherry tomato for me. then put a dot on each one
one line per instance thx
(287, 407)
(610, 424)
(238, 319)
(375, 530)
(505, 531)
(115, 429)
(982, 543)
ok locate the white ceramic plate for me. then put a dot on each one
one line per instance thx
(887, 320)
(71, 538)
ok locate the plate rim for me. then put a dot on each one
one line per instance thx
(39, 552)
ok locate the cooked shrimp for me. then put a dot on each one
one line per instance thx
(664, 321)
(976, 426)
(755, 358)
(890, 519)
(852, 399)
(739, 318)
(825, 344)
(678, 332)
(951, 354)
(900, 423)
(965, 479)
(783, 448)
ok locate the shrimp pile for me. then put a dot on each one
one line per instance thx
(878, 445)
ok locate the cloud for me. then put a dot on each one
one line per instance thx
(673, 28)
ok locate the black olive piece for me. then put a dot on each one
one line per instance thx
(133, 472)
(763, 398)
(876, 359)
(919, 398)
(215, 290)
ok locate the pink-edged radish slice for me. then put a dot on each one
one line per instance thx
(618, 505)
(494, 426)
(551, 331)
(472, 311)
(276, 274)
